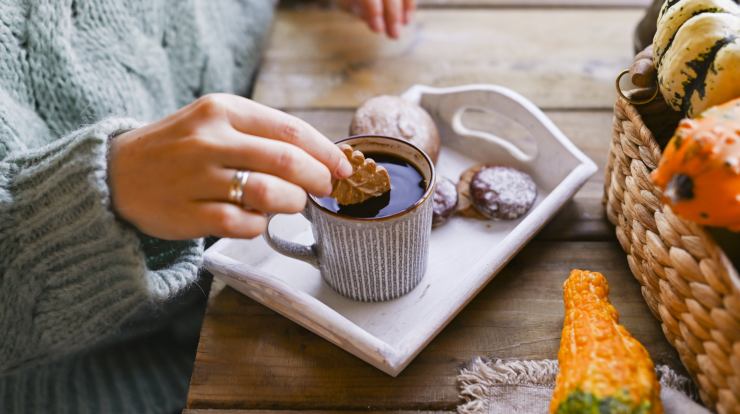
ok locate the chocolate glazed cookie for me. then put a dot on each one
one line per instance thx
(445, 201)
(502, 193)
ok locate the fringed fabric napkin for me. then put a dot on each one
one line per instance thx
(525, 387)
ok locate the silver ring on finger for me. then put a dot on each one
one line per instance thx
(236, 189)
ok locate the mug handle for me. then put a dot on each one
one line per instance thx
(303, 252)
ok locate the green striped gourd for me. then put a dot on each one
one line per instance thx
(696, 50)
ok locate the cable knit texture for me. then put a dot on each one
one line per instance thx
(92, 311)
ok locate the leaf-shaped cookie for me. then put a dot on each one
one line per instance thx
(368, 179)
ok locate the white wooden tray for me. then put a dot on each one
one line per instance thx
(465, 254)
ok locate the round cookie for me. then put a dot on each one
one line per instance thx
(464, 205)
(396, 117)
(444, 201)
(502, 193)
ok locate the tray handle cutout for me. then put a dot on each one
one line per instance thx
(448, 104)
(460, 128)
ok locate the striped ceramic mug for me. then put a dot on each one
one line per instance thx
(370, 259)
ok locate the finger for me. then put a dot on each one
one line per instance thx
(262, 192)
(409, 6)
(289, 162)
(228, 220)
(392, 9)
(269, 194)
(374, 15)
(256, 119)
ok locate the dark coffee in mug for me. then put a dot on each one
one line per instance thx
(407, 187)
(372, 259)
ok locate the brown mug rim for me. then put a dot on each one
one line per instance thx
(427, 193)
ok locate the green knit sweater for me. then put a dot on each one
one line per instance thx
(94, 315)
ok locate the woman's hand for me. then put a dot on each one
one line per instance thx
(382, 15)
(171, 178)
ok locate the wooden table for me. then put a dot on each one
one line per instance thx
(319, 65)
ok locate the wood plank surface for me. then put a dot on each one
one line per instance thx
(251, 358)
(558, 58)
(581, 219)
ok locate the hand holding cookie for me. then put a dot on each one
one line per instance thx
(173, 178)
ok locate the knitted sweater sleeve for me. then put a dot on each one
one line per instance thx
(71, 273)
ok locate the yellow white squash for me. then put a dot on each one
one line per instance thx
(696, 51)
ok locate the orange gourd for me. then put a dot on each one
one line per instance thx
(699, 172)
(603, 369)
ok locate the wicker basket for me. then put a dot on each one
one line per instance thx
(687, 281)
